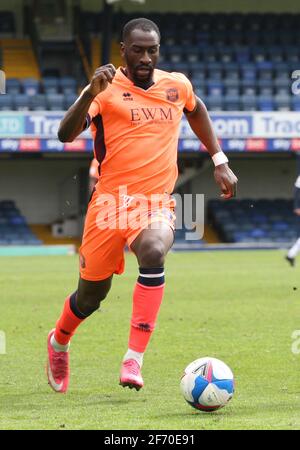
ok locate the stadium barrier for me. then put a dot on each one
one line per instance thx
(239, 132)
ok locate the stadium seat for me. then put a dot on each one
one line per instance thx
(50, 85)
(265, 103)
(265, 87)
(231, 87)
(215, 87)
(68, 85)
(21, 102)
(6, 102)
(13, 86)
(266, 221)
(38, 102)
(282, 102)
(69, 99)
(55, 102)
(248, 103)
(295, 103)
(232, 102)
(31, 86)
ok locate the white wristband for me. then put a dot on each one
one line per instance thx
(219, 158)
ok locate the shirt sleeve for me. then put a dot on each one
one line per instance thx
(190, 103)
(94, 109)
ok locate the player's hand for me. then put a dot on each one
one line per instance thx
(102, 76)
(297, 211)
(227, 181)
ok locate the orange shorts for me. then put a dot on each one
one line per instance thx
(111, 223)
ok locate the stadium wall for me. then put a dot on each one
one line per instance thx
(258, 178)
(44, 188)
(257, 6)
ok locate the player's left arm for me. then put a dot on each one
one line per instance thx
(201, 125)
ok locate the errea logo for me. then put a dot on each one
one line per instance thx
(127, 96)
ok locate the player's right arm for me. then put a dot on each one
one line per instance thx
(74, 121)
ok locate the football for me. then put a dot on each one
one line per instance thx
(207, 384)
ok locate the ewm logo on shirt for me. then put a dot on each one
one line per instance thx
(157, 114)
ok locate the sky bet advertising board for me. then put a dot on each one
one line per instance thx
(237, 132)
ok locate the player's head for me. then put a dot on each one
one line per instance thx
(140, 49)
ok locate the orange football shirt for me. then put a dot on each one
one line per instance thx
(136, 132)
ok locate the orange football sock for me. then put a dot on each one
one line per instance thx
(147, 298)
(68, 321)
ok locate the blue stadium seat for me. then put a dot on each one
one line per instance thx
(6, 102)
(21, 102)
(50, 85)
(248, 72)
(68, 85)
(231, 86)
(292, 54)
(282, 85)
(208, 54)
(249, 87)
(31, 86)
(265, 103)
(282, 102)
(259, 54)
(200, 91)
(13, 86)
(215, 87)
(242, 55)
(265, 73)
(38, 102)
(275, 54)
(69, 99)
(265, 87)
(191, 53)
(183, 67)
(248, 102)
(232, 102)
(214, 103)
(226, 55)
(55, 102)
(295, 103)
(232, 72)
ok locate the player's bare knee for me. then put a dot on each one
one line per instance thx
(91, 294)
(152, 255)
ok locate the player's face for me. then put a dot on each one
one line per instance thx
(140, 53)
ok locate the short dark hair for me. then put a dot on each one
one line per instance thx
(140, 24)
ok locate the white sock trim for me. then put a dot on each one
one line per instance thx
(58, 347)
(131, 354)
(294, 250)
(152, 275)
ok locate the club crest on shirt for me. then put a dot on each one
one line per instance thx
(172, 94)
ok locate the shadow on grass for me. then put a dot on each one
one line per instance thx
(37, 400)
(234, 411)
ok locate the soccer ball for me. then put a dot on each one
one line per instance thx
(207, 384)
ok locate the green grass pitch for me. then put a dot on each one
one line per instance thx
(241, 307)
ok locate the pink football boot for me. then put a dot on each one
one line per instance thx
(58, 370)
(131, 375)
